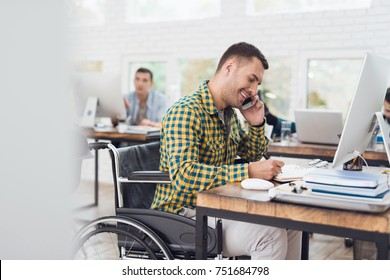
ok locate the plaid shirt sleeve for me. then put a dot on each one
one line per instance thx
(254, 144)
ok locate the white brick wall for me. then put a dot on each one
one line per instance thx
(275, 35)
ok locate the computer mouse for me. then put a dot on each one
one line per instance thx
(256, 184)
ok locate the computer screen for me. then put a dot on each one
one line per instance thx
(106, 88)
(368, 99)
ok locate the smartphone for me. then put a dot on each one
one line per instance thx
(247, 103)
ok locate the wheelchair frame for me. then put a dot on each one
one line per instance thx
(141, 233)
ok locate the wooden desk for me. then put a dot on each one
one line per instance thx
(131, 139)
(325, 152)
(233, 202)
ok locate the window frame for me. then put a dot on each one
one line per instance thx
(96, 22)
(251, 9)
(160, 20)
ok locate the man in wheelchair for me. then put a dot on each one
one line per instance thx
(200, 138)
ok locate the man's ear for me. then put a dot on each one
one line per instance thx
(229, 65)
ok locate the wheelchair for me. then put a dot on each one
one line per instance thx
(135, 231)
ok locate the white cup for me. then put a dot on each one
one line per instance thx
(285, 133)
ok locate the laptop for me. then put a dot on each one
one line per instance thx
(318, 126)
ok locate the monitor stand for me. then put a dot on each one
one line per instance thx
(88, 119)
(385, 133)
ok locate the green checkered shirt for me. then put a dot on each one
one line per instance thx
(193, 149)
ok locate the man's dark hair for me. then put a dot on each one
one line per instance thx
(242, 50)
(387, 97)
(145, 70)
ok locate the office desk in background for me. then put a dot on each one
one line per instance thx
(324, 152)
(235, 203)
(130, 139)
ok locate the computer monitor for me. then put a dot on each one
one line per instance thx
(98, 94)
(364, 111)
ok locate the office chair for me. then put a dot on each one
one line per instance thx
(137, 231)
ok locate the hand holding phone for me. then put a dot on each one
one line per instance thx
(247, 103)
(254, 116)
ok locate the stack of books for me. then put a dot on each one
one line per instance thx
(353, 184)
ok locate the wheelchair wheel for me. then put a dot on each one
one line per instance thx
(118, 238)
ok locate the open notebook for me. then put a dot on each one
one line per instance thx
(291, 172)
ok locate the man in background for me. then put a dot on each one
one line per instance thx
(386, 107)
(377, 134)
(145, 106)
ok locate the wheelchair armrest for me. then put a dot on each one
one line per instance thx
(152, 176)
(98, 145)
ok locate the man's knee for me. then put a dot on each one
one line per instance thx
(258, 241)
(272, 245)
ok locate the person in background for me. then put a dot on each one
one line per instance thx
(201, 136)
(145, 106)
(386, 107)
(377, 134)
(273, 120)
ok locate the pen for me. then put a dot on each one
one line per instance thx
(266, 156)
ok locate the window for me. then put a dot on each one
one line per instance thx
(331, 82)
(276, 86)
(171, 10)
(291, 6)
(193, 72)
(87, 12)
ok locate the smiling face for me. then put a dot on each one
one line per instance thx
(242, 79)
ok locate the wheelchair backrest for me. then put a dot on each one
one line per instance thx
(138, 158)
